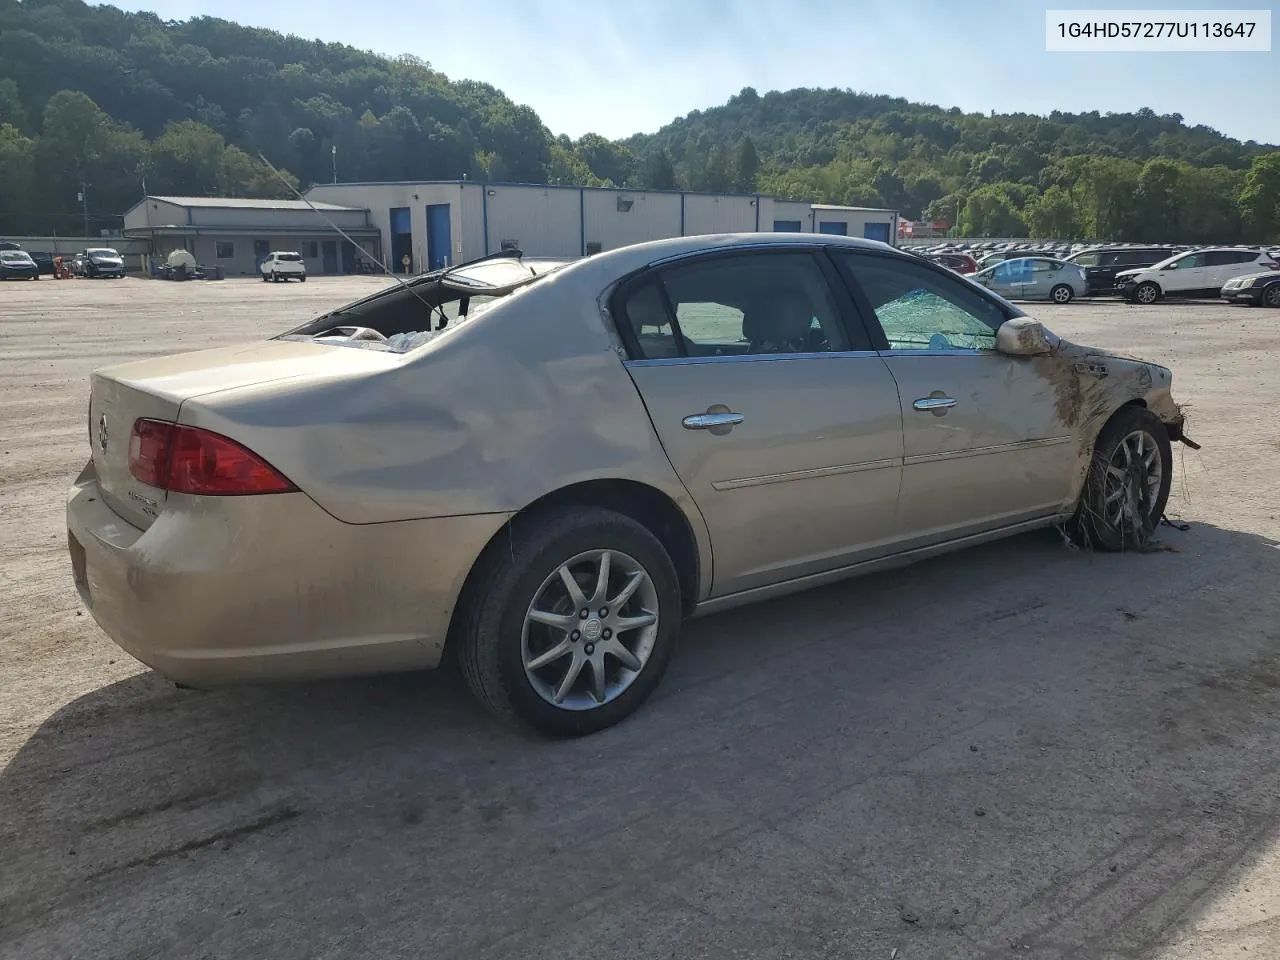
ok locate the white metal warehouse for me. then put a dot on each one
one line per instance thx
(437, 223)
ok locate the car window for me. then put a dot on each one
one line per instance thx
(920, 309)
(1087, 259)
(1185, 263)
(1218, 258)
(1043, 266)
(737, 305)
(1246, 256)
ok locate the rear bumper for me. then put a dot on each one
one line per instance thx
(224, 590)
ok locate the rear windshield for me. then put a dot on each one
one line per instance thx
(288, 256)
(14, 255)
(101, 252)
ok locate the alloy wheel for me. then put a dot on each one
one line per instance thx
(1132, 484)
(590, 629)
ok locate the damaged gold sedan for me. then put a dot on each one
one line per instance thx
(546, 467)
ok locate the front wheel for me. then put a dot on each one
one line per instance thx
(568, 622)
(1271, 296)
(275, 278)
(1127, 486)
(265, 278)
(1061, 294)
(303, 278)
(1147, 293)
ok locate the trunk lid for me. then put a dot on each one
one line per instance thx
(157, 388)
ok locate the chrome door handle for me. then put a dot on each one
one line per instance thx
(710, 421)
(934, 403)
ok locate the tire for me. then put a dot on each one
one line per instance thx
(303, 278)
(265, 278)
(1271, 296)
(274, 277)
(1146, 293)
(496, 639)
(1061, 294)
(1103, 523)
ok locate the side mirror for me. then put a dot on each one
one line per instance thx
(1024, 337)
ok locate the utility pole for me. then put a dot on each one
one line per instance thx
(333, 151)
(84, 203)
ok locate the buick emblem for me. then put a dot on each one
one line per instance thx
(102, 433)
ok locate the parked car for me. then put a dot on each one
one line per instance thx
(44, 260)
(542, 483)
(103, 262)
(1259, 289)
(18, 265)
(1034, 278)
(1197, 273)
(284, 265)
(10, 245)
(1101, 264)
(960, 263)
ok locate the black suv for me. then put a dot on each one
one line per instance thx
(1101, 264)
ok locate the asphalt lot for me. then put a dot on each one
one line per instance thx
(1022, 750)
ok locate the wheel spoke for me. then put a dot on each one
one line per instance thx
(625, 656)
(1115, 495)
(550, 656)
(1115, 472)
(556, 621)
(598, 680)
(628, 590)
(575, 592)
(602, 580)
(622, 624)
(571, 675)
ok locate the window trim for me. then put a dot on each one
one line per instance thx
(880, 339)
(848, 318)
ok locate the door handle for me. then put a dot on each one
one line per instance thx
(934, 403)
(712, 421)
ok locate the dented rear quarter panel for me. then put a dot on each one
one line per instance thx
(526, 399)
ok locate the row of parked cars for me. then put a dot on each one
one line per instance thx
(1140, 274)
(19, 264)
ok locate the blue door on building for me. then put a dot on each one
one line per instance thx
(329, 254)
(439, 241)
(786, 226)
(835, 227)
(876, 231)
(261, 250)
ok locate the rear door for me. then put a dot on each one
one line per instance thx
(984, 446)
(786, 432)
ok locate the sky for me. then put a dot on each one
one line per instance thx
(618, 67)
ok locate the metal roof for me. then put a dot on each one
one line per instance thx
(247, 203)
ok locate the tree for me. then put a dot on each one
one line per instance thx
(658, 172)
(1159, 201)
(746, 165)
(1052, 215)
(990, 213)
(717, 175)
(610, 162)
(11, 109)
(1259, 199)
(187, 160)
(17, 161)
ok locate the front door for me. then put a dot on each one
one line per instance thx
(789, 442)
(983, 443)
(329, 255)
(261, 250)
(1184, 275)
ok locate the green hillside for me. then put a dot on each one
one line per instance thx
(114, 100)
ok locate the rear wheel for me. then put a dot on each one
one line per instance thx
(568, 623)
(1061, 294)
(275, 278)
(1128, 483)
(1146, 293)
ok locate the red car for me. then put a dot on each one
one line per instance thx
(957, 262)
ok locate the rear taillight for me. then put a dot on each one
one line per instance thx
(182, 459)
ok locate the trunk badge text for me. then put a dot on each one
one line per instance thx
(102, 433)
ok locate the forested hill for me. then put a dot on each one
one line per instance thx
(116, 100)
